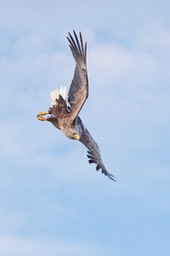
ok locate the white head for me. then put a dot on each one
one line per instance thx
(55, 94)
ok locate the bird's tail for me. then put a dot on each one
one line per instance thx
(54, 95)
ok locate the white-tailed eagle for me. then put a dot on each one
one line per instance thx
(63, 114)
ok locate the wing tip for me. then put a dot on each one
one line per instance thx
(108, 174)
(99, 166)
(111, 176)
(76, 41)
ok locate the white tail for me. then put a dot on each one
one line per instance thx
(55, 94)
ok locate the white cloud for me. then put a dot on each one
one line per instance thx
(45, 178)
(11, 222)
(19, 246)
(10, 139)
(122, 80)
(154, 37)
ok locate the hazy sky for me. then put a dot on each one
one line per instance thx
(52, 202)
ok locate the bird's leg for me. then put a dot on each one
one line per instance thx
(41, 115)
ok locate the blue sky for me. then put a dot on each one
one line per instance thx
(52, 202)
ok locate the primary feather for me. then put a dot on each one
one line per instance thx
(78, 92)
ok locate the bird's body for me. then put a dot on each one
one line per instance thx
(66, 117)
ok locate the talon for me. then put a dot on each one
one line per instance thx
(41, 118)
(41, 115)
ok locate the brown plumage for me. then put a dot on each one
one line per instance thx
(65, 117)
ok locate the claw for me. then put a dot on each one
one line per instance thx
(41, 118)
(41, 115)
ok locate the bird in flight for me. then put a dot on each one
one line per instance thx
(64, 114)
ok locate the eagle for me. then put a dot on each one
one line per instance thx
(64, 113)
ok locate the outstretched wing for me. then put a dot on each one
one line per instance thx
(93, 149)
(78, 91)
